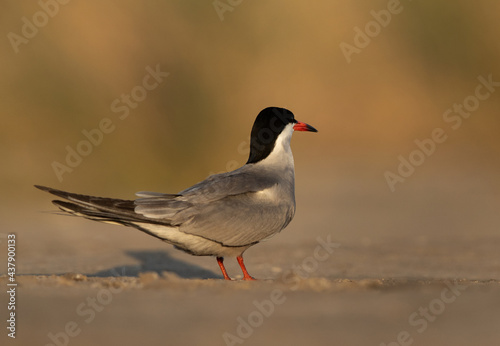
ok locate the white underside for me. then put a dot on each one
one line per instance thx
(192, 243)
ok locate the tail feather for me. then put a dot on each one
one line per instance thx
(90, 213)
(99, 202)
(109, 210)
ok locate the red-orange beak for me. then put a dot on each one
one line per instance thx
(300, 126)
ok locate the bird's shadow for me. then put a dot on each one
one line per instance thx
(159, 262)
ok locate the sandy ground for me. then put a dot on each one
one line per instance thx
(358, 266)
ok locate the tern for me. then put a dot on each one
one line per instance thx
(221, 216)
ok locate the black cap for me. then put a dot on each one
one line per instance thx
(267, 127)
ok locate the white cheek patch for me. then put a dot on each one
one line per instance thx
(282, 153)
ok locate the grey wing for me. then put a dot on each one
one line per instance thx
(157, 205)
(225, 208)
(233, 183)
(165, 206)
(236, 220)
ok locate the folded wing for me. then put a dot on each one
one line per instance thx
(228, 208)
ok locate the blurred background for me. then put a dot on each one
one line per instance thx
(62, 72)
(373, 77)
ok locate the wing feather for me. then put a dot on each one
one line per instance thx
(225, 208)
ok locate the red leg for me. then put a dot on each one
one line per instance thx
(220, 261)
(246, 276)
